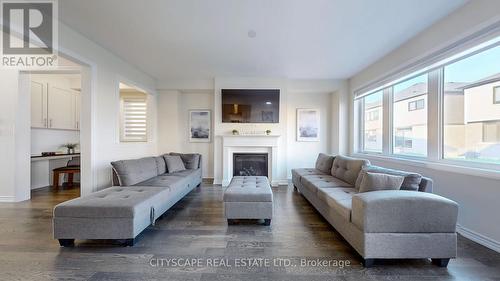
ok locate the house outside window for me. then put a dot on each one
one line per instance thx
(416, 105)
(371, 136)
(403, 139)
(373, 115)
(496, 95)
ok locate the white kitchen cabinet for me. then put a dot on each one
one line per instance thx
(54, 107)
(61, 108)
(38, 105)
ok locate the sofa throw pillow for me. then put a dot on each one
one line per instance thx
(324, 163)
(375, 182)
(411, 180)
(161, 166)
(191, 160)
(174, 163)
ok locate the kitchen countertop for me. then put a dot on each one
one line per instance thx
(52, 157)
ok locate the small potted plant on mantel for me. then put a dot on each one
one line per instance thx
(70, 147)
(235, 132)
(268, 132)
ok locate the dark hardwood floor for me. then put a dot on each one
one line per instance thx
(195, 229)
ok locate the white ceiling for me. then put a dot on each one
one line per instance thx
(202, 39)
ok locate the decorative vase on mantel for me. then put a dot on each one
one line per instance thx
(235, 132)
(268, 132)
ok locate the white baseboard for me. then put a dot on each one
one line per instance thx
(479, 238)
(7, 199)
(282, 182)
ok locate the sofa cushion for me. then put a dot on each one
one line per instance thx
(347, 168)
(191, 160)
(113, 202)
(176, 181)
(347, 192)
(174, 163)
(376, 182)
(161, 166)
(298, 173)
(340, 201)
(133, 171)
(411, 180)
(324, 163)
(313, 182)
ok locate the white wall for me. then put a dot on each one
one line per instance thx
(304, 154)
(226, 128)
(173, 114)
(108, 71)
(43, 140)
(477, 195)
(173, 106)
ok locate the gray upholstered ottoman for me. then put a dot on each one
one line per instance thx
(249, 198)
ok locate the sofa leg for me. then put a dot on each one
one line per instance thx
(67, 242)
(368, 262)
(441, 262)
(267, 221)
(230, 221)
(129, 242)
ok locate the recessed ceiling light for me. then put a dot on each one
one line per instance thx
(268, 102)
(252, 33)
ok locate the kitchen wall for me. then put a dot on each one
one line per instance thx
(477, 192)
(45, 140)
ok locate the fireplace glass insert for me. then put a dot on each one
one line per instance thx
(250, 164)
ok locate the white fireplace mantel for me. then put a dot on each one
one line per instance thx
(249, 144)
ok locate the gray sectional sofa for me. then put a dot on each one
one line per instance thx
(406, 223)
(146, 189)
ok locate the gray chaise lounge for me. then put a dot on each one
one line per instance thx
(122, 212)
(390, 224)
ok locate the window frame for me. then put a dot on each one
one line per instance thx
(435, 113)
(496, 94)
(416, 102)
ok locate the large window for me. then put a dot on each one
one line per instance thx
(410, 117)
(373, 124)
(449, 112)
(471, 108)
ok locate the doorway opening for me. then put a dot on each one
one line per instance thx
(55, 130)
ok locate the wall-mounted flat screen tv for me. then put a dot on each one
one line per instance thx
(250, 105)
